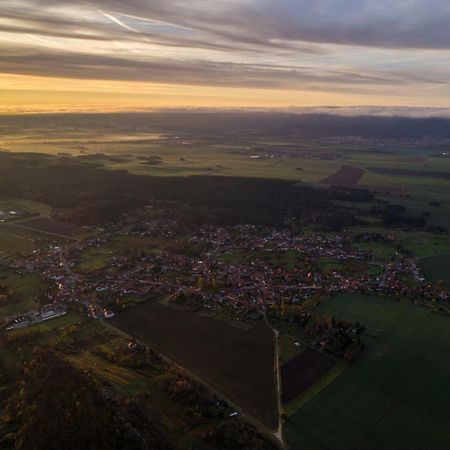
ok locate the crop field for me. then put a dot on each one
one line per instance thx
(25, 289)
(24, 207)
(10, 242)
(212, 161)
(405, 175)
(303, 371)
(52, 226)
(18, 238)
(395, 396)
(345, 176)
(436, 268)
(238, 364)
(420, 244)
(202, 156)
(411, 172)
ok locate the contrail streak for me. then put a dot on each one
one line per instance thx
(118, 22)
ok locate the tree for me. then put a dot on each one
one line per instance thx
(59, 407)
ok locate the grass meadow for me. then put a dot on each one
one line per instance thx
(395, 396)
(437, 268)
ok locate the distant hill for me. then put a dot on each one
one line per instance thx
(276, 123)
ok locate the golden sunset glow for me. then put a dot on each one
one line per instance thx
(249, 53)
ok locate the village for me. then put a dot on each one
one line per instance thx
(245, 269)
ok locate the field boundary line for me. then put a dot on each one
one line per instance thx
(64, 236)
(431, 256)
(314, 390)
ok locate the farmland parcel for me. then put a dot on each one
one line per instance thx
(395, 396)
(238, 364)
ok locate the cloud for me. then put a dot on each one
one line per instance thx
(376, 111)
(340, 45)
(399, 24)
(57, 63)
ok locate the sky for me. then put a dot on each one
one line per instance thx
(138, 54)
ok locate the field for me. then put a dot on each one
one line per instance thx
(26, 288)
(30, 228)
(288, 349)
(302, 371)
(25, 207)
(51, 226)
(406, 175)
(436, 268)
(18, 233)
(411, 172)
(420, 244)
(12, 242)
(345, 176)
(238, 364)
(395, 396)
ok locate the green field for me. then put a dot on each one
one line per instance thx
(26, 288)
(436, 268)
(14, 243)
(395, 396)
(422, 244)
(288, 349)
(27, 206)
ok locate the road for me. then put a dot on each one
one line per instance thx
(279, 432)
(276, 435)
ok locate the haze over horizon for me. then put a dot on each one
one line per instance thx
(113, 55)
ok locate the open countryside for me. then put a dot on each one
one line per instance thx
(397, 386)
(224, 225)
(237, 363)
(248, 307)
